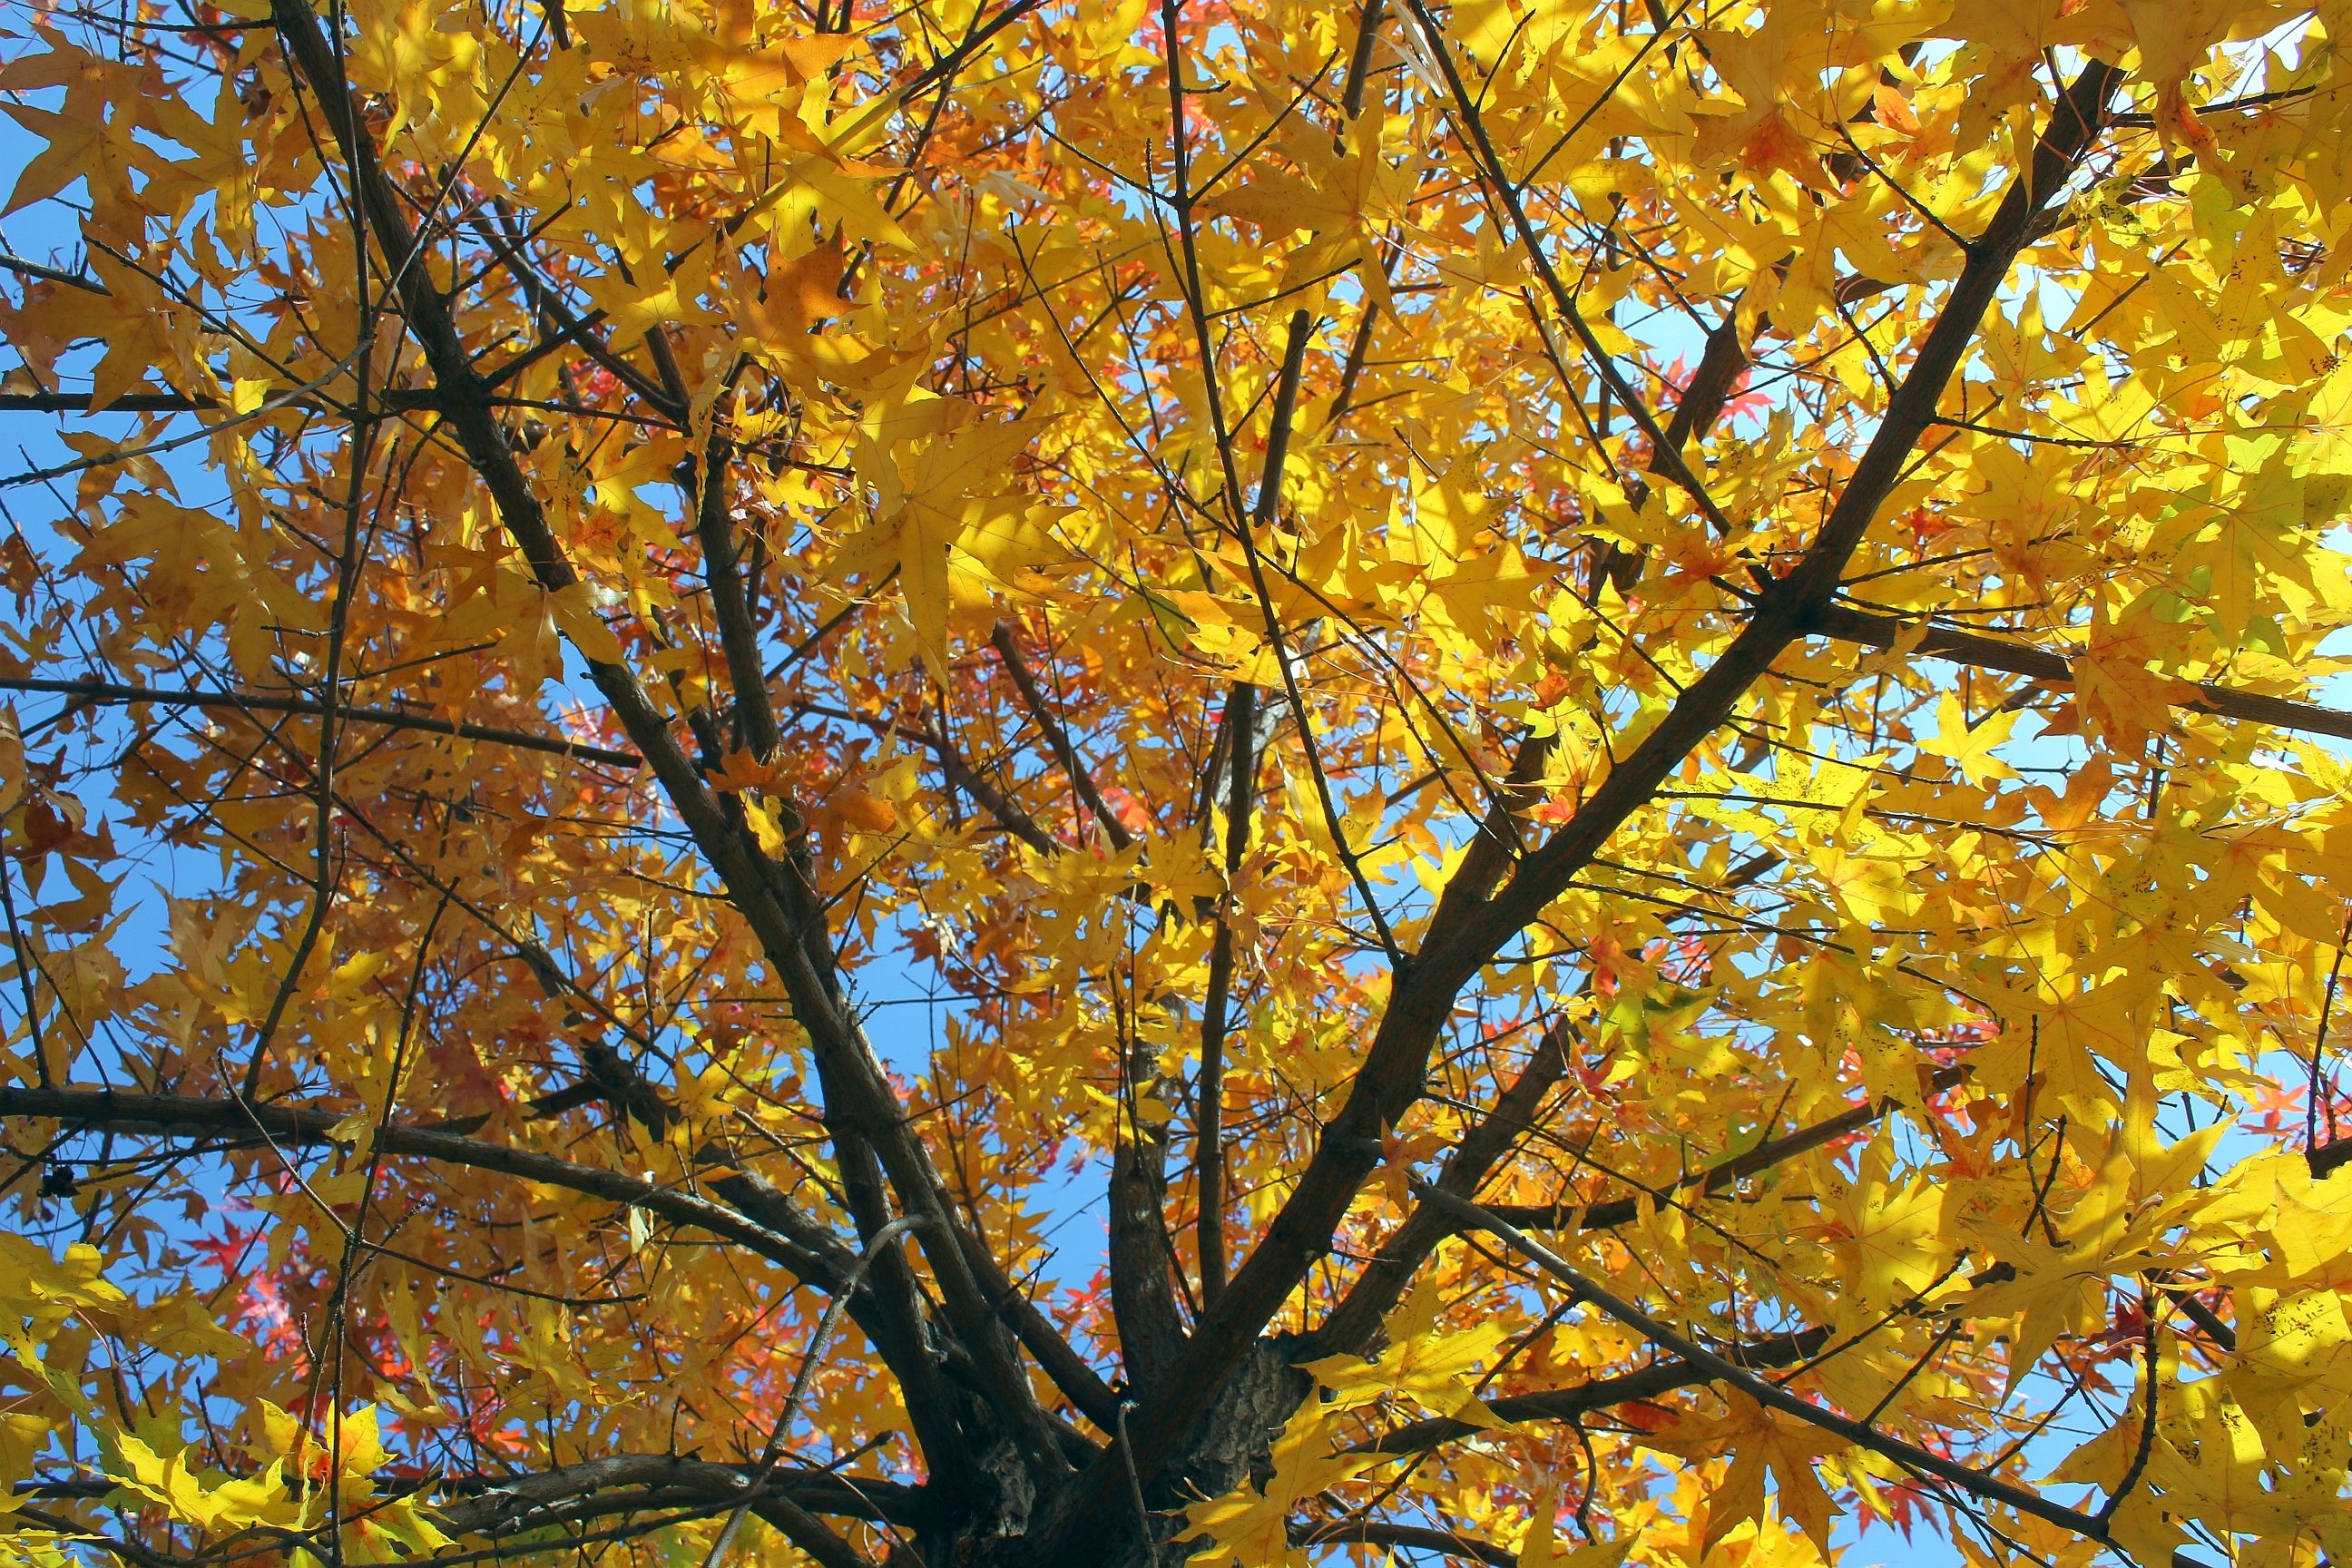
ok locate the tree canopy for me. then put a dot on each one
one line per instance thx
(1122, 781)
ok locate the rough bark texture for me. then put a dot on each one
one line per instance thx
(1229, 1445)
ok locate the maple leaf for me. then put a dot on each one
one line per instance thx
(941, 491)
(1541, 1549)
(1971, 746)
(1762, 1444)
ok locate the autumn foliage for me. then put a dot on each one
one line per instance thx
(1062, 782)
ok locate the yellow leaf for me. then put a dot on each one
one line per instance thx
(1971, 746)
(574, 612)
(11, 760)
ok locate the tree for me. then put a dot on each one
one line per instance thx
(1607, 720)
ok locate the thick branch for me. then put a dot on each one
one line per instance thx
(575, 330)
(1773, 1396)
(1658, 1378)
(123, 403)
(1466, 930)
(1240, 725)
(788, 1237)
(755, 1216)
(1032, 698)
(870, 1129)
(1801, 597)
(1356, 1321)
(1614, 1212)
(1982, 652)
(1141, 1265)
(496, 1504)
(1409, 1537)
(1079, 1382)
(738, 637)
(817, 1540)
(663, 1482)
(115, 693)
(24, 265)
